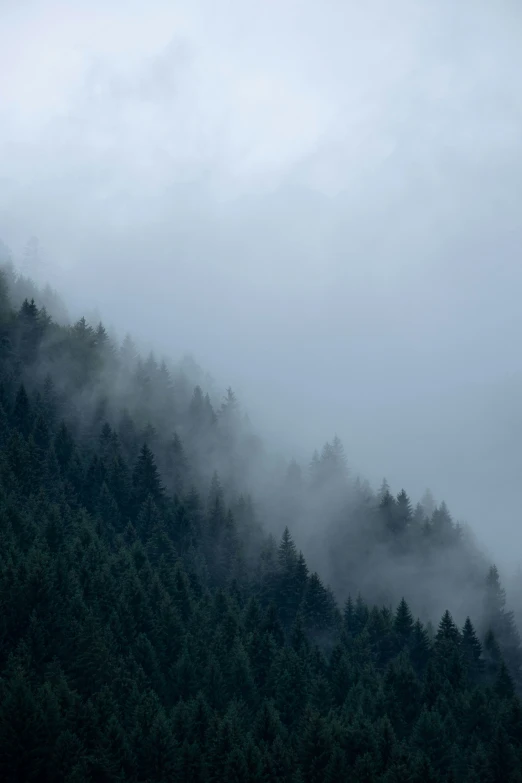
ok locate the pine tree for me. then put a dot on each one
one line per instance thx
(287, 554)
(176, 465)
(492, 656)
(447, 630)
(360, 615)
(32, 326)
(267, 725)
(402, 694)
(22, 417)
(317, 607)
(430, 737)
(315, 747)
(403, 623)
(349, 622)
(387, 508)
(442, 527)
(504, 687)
(288, 590)
(146, 479)
(63, 445)
(502, 764)
(501, 621)
(49, 401)
(472, 651)
(403, 513)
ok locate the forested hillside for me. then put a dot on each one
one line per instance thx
(159, 621)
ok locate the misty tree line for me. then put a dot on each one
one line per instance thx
(151, 629)
(356, 538)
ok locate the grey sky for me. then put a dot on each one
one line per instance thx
(321, 200)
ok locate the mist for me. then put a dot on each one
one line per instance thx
(320, 202)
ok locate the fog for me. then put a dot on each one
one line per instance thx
(320, 201)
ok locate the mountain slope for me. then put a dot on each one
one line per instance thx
(151, 628)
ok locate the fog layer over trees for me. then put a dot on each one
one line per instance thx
(285, 241)
(178, 604)
(326, 200)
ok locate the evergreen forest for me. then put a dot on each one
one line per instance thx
(178, 605)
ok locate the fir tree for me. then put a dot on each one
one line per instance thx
(146, 479)
(403, 624)
(472, 651)
(22, 418)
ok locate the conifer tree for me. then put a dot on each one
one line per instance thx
(502, 623)
(22, 418)
(472, 651)
(403, 512)
(146, 479)
(403, 623)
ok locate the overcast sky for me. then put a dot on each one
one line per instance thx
(321, 200)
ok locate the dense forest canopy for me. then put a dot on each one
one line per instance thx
(176, 604)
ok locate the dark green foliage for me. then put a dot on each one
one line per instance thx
(146, 480)
(472, 652)
(403, 624)
(501, 622)
(148, 634)
(447, 631)
(22, 418)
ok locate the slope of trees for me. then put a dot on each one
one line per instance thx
(151, 629)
